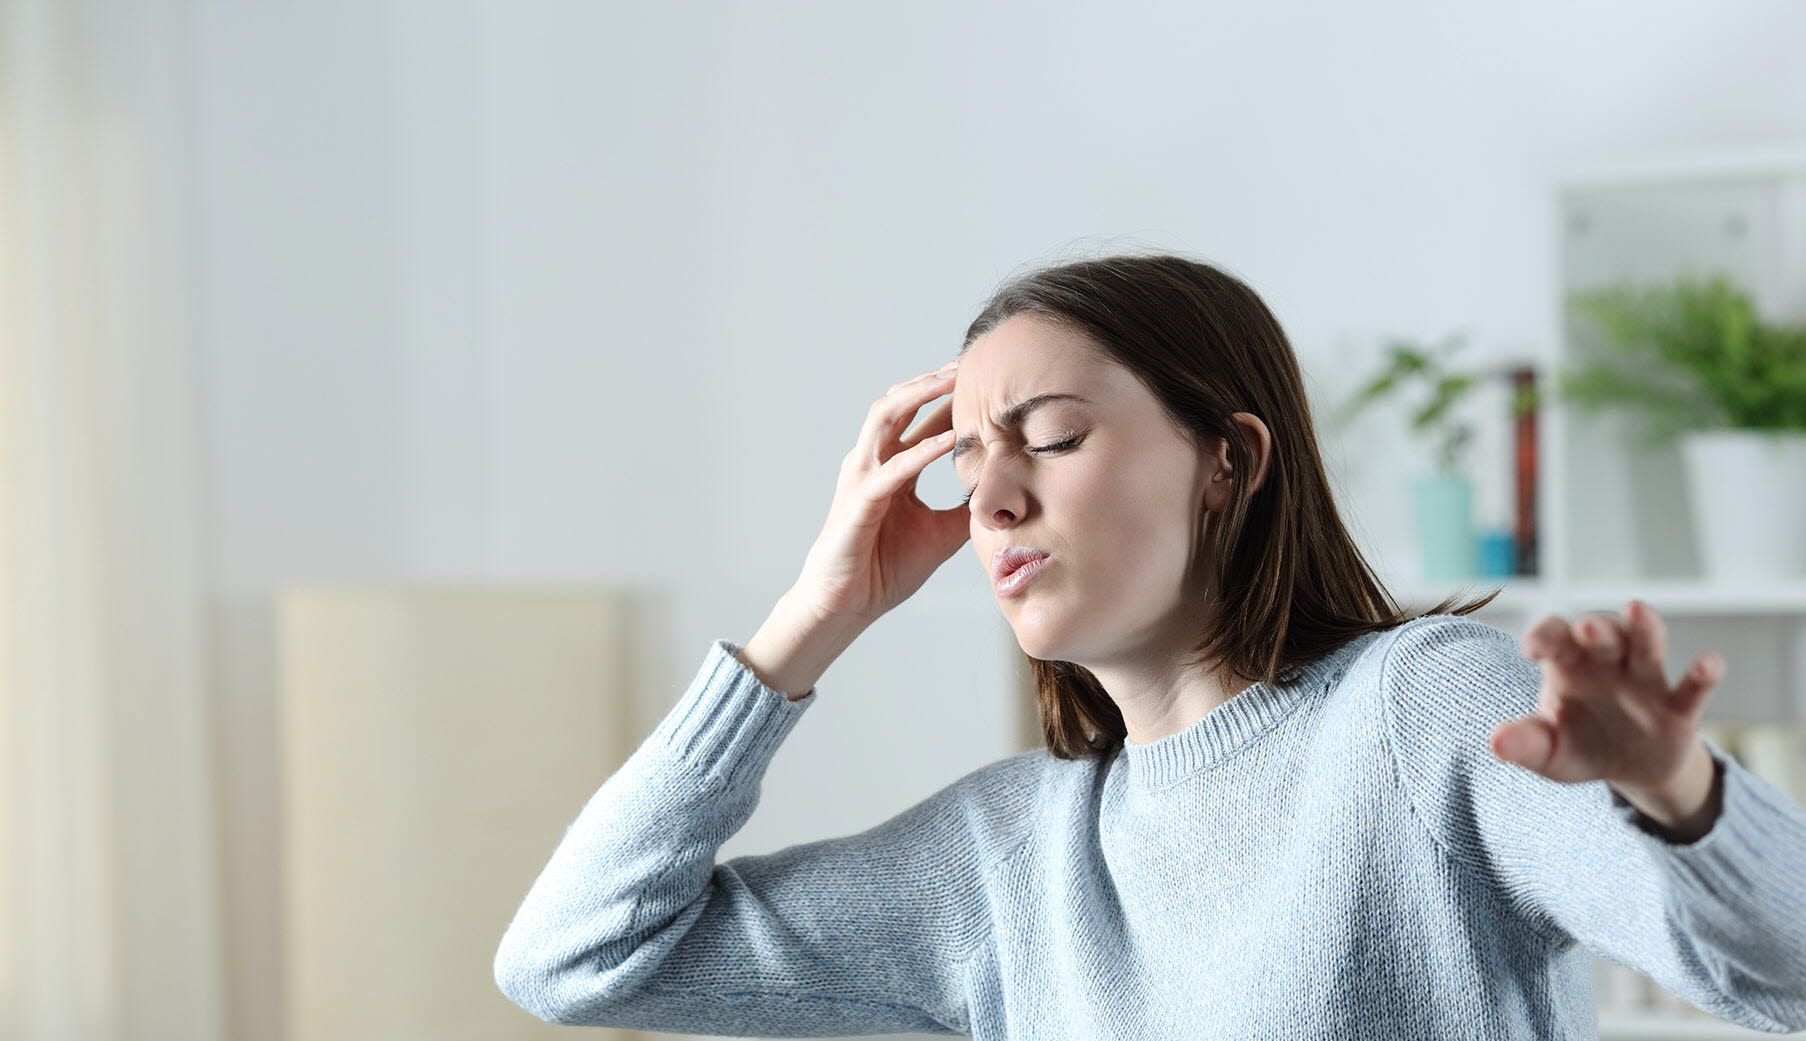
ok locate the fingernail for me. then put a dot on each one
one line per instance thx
(949, 367)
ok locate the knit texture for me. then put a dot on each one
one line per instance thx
(1335, 855)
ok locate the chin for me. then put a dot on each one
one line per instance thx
(1039, 636)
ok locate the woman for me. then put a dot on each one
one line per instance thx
(1269, 805)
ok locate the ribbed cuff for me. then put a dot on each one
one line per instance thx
(727, 726)
(1739, 889)
(1750, 822)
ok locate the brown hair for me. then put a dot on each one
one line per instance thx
(1295, 586)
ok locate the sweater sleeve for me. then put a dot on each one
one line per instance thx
(632, 923)
(1720, 922)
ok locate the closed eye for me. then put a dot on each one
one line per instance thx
(1058, 446)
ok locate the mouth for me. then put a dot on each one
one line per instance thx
(1011, 558)
(1018, 579)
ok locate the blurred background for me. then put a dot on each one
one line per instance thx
(396, 398)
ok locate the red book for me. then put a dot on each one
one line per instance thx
(1524, 528)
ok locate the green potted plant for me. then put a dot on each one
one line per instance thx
(1698, 365)
(1444, 498)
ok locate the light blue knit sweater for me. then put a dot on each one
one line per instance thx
(1338, 856)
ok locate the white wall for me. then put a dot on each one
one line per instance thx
(574, 292)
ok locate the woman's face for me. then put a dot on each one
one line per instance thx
(1116, 507)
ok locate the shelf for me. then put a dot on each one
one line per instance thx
(1760, 628)
(1632, 1027)
(1666, 595)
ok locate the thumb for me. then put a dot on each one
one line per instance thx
(958, 524)
(1529, 742)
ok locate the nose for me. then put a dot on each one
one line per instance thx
(995, 509)
(999, 500)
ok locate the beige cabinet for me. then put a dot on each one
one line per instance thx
(436, 741)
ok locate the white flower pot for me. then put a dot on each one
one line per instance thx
(1748, 489)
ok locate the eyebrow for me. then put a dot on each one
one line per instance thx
(1014, 415)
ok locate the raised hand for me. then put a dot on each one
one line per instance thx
(881, 542)
(1607, 712)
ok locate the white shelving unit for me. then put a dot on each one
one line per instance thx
(1615, 521)
(1673, 1028)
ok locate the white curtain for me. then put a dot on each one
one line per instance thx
(109, 901)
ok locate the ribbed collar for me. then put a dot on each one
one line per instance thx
(1234, 723)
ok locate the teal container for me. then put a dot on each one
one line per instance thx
(1445, 525)
(1498, 553)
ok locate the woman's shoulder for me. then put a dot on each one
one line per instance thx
(1446, 680)
(1392, 656)
(1012, 787)
(1447, 621)
(1433, 663)
(1448, 639)
(1006, 800)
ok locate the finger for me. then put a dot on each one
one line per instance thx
(891, 413)
(1648, 643)
(1551, 641)
(1602, 639)
(904, 467)
(958, 519)
(1530, 644)
(1697, 684)
(941, 419)
(1529, 742)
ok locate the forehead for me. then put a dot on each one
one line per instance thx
(1023, 356)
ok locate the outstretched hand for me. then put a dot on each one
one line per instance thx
(1607, 712)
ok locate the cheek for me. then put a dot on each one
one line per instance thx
(1128, 513)
(1132, 545)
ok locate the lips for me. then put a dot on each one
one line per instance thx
(1013, 557)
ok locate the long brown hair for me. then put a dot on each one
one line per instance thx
(1290, 583)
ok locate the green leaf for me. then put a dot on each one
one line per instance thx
(1405, 361)
(1448, 390)
(1694, 354)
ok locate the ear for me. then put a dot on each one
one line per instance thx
(1222, 474)
(1261, 440)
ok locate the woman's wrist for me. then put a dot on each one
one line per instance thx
(795, 645)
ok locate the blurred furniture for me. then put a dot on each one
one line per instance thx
(436, 742)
